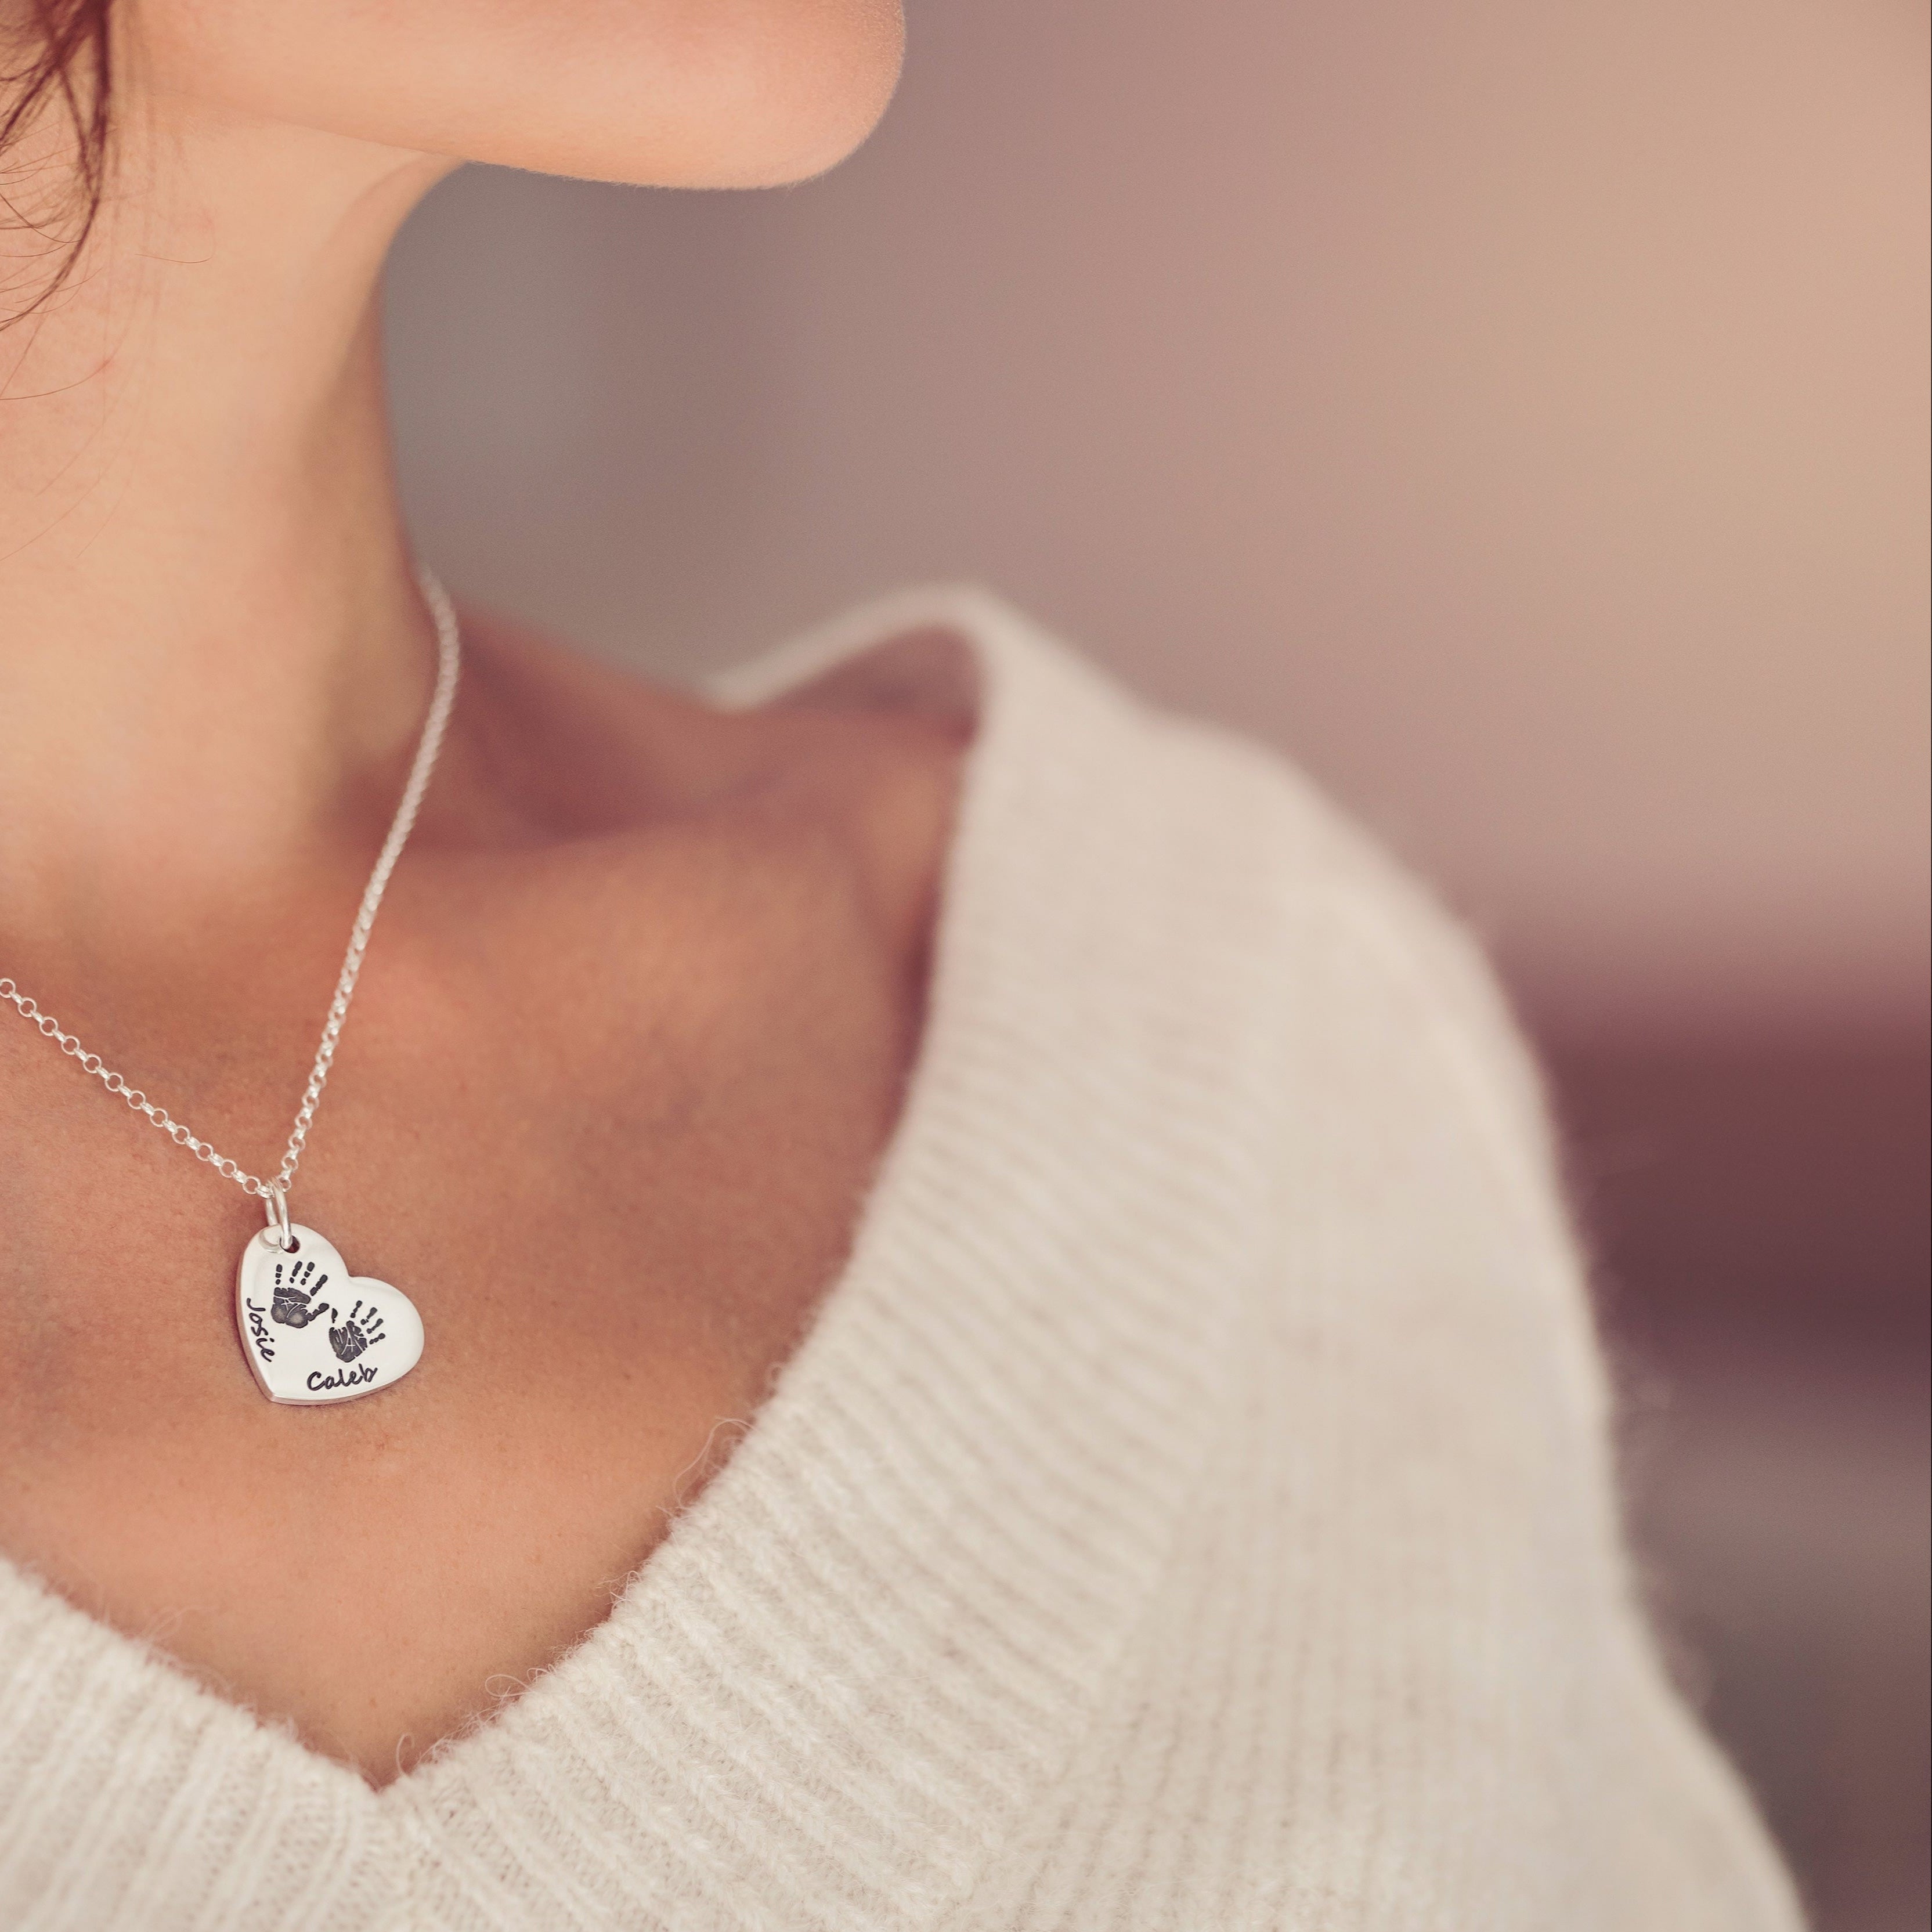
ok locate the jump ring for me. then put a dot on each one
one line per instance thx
(277, 1233)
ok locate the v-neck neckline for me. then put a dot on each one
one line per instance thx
(739, 1659)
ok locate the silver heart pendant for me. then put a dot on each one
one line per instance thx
(313, 1332)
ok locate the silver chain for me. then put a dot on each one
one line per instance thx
(449, 641)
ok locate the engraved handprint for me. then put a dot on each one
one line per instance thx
(292, 1292)
(359, 1331)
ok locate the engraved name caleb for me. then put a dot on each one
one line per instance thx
(349, 1378)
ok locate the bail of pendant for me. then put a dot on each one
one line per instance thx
(277, 1235)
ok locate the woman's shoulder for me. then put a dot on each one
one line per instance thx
(1147, 884)
(1197, 856)
(1330, 1192)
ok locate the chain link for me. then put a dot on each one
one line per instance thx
(448, 641)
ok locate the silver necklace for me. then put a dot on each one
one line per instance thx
(310, 1331)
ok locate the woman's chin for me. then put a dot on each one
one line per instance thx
(796, 116)
(662, 93)
(768, 124)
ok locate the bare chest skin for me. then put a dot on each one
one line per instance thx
(617, 1079)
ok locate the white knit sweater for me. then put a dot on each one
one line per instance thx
(1190, 1510)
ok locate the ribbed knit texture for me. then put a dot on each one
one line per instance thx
(1191, 1509)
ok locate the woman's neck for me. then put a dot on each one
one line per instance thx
(209, 632)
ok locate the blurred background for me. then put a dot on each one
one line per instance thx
(1517, 414)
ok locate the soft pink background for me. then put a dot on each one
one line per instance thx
(1516, 411)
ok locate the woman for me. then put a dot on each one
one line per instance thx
(965, 1323)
